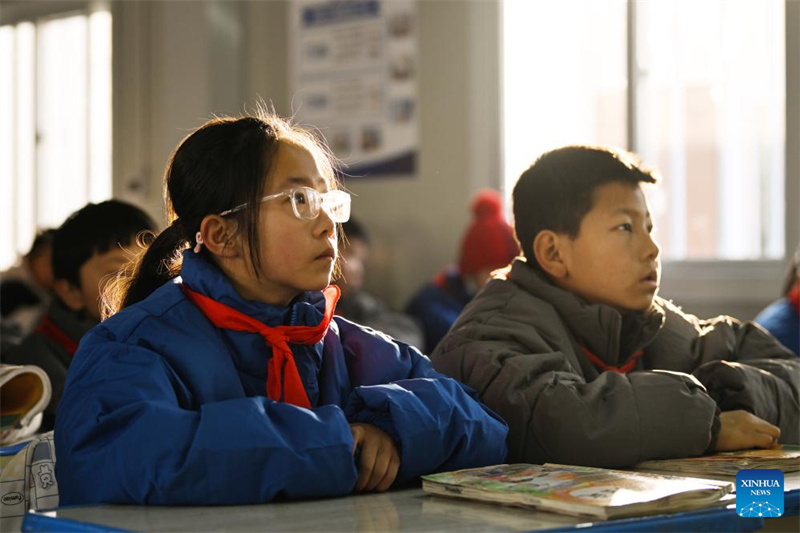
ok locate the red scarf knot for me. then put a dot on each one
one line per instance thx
(624, 369)
(794, 297)
(282, 363)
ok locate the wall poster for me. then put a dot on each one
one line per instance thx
(353, 75)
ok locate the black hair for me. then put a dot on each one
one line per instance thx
(43, 239)
(792, 273)
(353, 230)
(220, 166)
(557, 191)
(15, 294)
(93, 229)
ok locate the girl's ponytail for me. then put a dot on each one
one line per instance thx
(155, 265)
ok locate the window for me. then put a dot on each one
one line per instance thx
(706, 84)
(711, 110)
(565, 77)
(55, 122)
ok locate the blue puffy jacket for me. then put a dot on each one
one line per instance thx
(161, 407)
(438, 305)
(781, 319)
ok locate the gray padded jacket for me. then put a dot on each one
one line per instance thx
(519, 343)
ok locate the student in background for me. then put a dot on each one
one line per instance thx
(782, 317)
(234, 383)
(25, 290)
(487, 245)
(587, 365)
(356, 303)
(89, 248)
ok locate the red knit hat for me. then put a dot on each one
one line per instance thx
(489, 242)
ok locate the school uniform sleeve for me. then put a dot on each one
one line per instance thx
(741, 365)
(782, 322)
(126, 433)
(555, 415)
(437, 423)
(436, 312)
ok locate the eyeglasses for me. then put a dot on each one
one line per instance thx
(307, 202)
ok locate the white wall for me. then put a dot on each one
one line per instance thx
(175, 63)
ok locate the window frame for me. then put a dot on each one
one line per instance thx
(14, 12)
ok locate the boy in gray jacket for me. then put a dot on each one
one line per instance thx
(586, 364)
(89, 248)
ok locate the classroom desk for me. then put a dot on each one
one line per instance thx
(404, 510)
(401, 510)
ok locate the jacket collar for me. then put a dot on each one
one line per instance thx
(611, 335)
(451, 283)
(202, 276)
(73, 324)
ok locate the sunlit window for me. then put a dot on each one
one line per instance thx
(55, 123)
(711, 116)
(8, 228)
(709, 86)
(565, 77)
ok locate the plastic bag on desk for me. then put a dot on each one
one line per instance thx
(28, 482)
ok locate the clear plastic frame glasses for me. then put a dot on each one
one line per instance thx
(307, 203)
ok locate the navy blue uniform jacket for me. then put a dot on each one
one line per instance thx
(161, 407)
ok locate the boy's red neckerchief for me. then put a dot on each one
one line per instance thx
(278, 338)
(624, 369)
(794, 297)
(49, 329)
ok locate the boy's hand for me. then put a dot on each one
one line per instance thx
(379, 460)
(740, 430)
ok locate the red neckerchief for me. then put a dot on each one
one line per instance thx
(440, 279)
(278, 338)
(49, 329)
(624, 369)
(794, 297)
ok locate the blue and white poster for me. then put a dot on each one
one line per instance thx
(353, 75)
(759, 493)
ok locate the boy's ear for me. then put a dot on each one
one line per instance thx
(547, 249)
(220, 236)
(69, 294)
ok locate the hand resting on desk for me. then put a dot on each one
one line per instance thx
(740, 430)
(378, 462)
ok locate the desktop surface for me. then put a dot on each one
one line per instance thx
(403, 510)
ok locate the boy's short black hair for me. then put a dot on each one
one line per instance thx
(43, 239)
(557, 191)
(95, 228)
(353, 230)
(792, 273)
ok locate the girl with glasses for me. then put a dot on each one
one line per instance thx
(222, 375)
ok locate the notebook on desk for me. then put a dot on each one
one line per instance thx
(580, 491)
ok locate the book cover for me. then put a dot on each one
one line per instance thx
(577, 490)
(783, 457)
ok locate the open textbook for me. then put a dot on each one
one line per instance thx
(24, 393)
(783, 457)
(579, 490)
